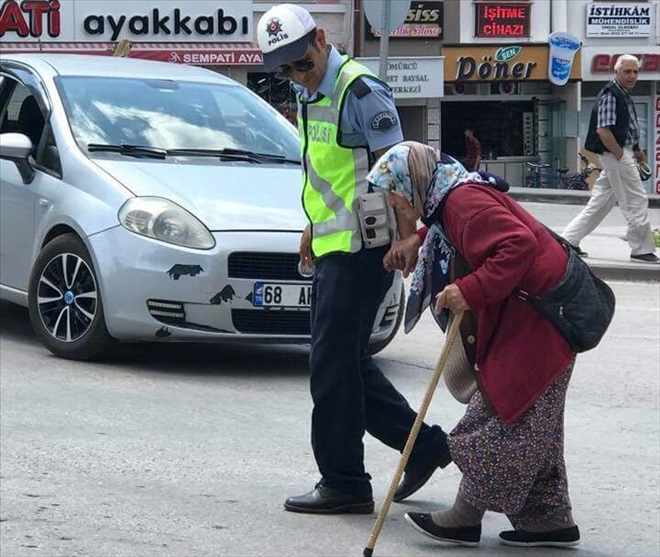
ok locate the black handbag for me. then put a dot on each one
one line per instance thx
(580, 307)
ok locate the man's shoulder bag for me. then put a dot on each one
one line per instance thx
(581, 306)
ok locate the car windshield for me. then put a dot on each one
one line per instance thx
(172, 115)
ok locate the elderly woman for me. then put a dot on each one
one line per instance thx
(509, 445)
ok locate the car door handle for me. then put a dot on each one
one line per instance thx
(44, 202)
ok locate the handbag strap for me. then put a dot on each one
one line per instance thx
(526, 296)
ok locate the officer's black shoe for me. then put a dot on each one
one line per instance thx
(463, 535)
(564, 537)
(418, 473)
(327, 500)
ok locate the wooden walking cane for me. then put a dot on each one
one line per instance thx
(444, 356)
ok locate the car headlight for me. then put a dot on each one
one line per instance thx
(166, 221)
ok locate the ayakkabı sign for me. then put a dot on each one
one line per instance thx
(137, 20)
(502, 19)
(619, 19)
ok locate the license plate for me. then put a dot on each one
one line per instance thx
(272, 294)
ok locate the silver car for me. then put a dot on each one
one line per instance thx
(150, 201)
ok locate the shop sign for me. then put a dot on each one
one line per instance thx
(618, 19)
(412, 78)
(424, 21)
(203, 57)
(218, 55)
(656, 126)
(501, 63)
(138, 20)
(502, 19)
(563, 47)
(604, 63)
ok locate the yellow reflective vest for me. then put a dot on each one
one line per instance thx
(333, 175)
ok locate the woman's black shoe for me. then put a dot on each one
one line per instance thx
(464, 535)
(565, 537)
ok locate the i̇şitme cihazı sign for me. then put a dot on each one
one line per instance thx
(502, 19)
(424, 21)
(501, 63)
(618, 19)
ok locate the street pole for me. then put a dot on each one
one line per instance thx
(384, 39)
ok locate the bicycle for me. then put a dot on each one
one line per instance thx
(578, 181)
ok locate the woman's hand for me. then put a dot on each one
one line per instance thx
(403, 255)
(451, 298)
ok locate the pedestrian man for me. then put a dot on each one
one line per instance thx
(472, 151)
(346, 118)
(614, 136)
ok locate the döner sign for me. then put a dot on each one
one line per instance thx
(486, 70)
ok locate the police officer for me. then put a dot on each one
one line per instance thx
(346, 118)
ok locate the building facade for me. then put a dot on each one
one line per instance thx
(497, 83)
(607, 30)
(451, 64)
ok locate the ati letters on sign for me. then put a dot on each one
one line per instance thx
(30, 18)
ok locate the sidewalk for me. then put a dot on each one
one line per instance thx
(609, 254)
(571, 197)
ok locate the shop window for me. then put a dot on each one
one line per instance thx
(499, 126)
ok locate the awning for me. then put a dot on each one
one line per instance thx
(198, 54)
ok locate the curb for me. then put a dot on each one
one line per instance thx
(635, 272)
(569, 197)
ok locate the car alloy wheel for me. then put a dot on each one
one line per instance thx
(67, 297)
(66, 302)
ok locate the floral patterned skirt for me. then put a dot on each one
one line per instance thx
(515, 469)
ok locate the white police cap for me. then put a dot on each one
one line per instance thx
(283, 34)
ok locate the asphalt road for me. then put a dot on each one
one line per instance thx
(190, 450)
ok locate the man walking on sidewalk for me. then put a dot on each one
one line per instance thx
(614, 136)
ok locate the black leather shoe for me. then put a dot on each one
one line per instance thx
(416, 476)
(326, 500)
(464, 535)
(564, 537)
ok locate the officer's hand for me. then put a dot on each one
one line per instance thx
(451, 298)
(305, 249)
(640, 157)
(403, 255)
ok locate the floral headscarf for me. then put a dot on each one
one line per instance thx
(424, 176)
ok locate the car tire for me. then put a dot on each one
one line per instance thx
(66, 309)
(376, 347)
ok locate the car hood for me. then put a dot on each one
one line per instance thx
(224, 196)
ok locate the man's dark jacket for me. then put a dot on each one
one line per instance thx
(620, 128)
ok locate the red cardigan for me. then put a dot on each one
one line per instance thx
(519, 352)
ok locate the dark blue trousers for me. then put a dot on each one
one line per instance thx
(349, 391)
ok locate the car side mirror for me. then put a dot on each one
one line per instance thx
(16, 147)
